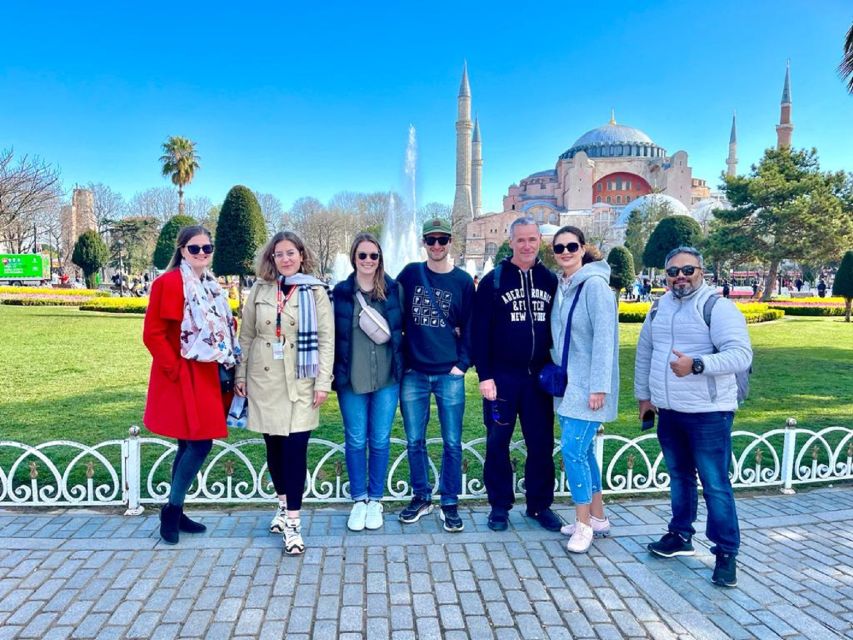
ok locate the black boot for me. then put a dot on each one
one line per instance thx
(170, 515)
(190, 526)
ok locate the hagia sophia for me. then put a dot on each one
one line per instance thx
(595, 184)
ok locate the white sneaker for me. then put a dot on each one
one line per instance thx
(277, 522)
(293, 544)
(357, 516)
(600, 527)
(581, 539)
(374, 519)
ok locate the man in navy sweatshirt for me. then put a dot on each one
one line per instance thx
(437, 301)
(512, 337)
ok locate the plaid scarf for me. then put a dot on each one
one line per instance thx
(307, 345)
(207, 329)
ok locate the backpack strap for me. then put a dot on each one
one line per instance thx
(710, 301)
(653, 311)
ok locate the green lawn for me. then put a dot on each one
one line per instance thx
(82, 376)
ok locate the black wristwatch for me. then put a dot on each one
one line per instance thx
(698, 366)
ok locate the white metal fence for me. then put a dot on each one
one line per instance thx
(136, 470)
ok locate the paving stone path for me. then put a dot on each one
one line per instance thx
(80, 574)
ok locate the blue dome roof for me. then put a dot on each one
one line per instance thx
(615, 140)
(612, 134)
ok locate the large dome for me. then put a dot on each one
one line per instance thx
(676, 207)
(615, 140)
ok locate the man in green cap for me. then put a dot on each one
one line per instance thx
(437, 304)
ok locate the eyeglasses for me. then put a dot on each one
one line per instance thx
(687, 270)
(195, 249)
(571, 247)
(431, 240)
(365, 256)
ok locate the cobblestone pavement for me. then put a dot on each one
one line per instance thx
(81, 574)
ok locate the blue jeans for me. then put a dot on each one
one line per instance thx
(367, 421)
(449, 393)
(700, 442)
(188, 460)
(576, 439)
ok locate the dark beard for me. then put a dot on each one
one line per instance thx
(681, 293)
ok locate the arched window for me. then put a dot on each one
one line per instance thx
(491, 249)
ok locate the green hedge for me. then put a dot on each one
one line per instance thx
(39, 302)
(809, 310)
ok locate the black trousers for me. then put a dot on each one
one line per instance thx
(287, 459)
(519, 397)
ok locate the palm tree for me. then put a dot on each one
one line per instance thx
(845, 69)
(180, 162)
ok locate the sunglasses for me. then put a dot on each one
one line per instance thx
(195, 249)
(571, 247)
(365, 256)
(687, 270)
(431, 240)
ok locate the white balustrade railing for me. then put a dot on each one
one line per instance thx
(136, 471)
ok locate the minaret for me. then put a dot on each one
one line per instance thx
(785, 127)
(731, 161)
(463, 211)
(477, 171)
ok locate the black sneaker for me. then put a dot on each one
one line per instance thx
(450, 516)
(416, 510)
(725, 571)
(498, 520)
(671, 545)
(547, 518)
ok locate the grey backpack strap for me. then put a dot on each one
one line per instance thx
(709, 307)
(653, 311)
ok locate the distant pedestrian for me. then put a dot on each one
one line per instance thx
(726, 289)
(821, 288)
(189, 331)
(685, 371)
(754, 288)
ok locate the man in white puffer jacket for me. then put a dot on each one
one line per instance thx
(686, 372)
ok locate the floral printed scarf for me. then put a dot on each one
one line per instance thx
(207, 330)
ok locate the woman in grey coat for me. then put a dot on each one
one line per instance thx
(592, 392)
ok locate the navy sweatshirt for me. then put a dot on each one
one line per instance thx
(512, 331)
(436, 339)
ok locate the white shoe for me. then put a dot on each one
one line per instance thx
(600, 527)
(374, 519)
(293, 543)
(277, 522)
(357, 516)
(581, 539)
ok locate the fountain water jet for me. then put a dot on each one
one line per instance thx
(400, 238)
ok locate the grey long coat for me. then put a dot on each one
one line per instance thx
(279, 402)
(594, 350)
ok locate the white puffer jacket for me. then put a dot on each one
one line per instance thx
(679, 324)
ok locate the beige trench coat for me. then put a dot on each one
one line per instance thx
(279, 403)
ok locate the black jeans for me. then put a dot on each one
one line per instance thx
(287, 460)
(519, 396)
(188, 460)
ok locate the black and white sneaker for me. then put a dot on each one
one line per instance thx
(450, 517)
(725, 570)
(671, 545)
(416, 510)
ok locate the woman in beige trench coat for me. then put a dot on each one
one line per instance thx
(288, 340)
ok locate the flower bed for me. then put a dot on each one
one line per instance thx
(811, 306)
(91, 293)
(125, 305)
(752, 311)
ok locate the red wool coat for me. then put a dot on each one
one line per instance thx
(184, 397)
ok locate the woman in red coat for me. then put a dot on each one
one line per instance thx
(189, 331)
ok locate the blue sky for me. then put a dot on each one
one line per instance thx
(298, 100)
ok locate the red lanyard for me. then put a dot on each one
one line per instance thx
(280, 307)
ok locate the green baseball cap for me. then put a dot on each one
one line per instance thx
(437, 225)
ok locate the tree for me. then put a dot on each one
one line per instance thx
(845, 69)
(166, 241)
(28, 187)
(671, 232)
(90, 254)
(320, 229)
(240, 232)
(272, 211)
(180, 163)
(109, 205)
(788, 209)
(641, 222)
(132, 242)
(843, 285)
(622, 272)
(159, 202)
